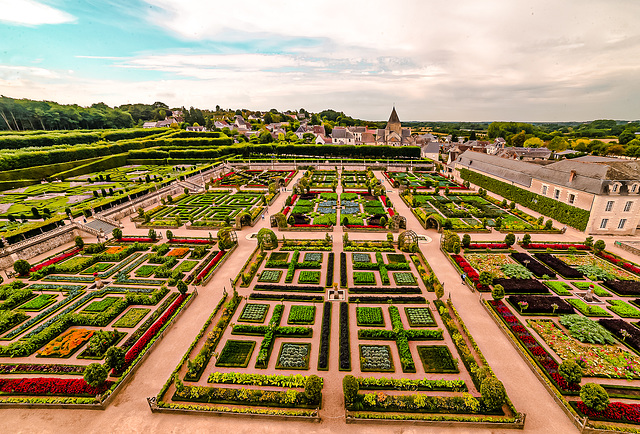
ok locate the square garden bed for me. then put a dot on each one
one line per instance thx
(420, 317)
(405, 279)
(369, 316)
(437, 359)
(293, 356)
(376, 358)
(271, 276)
(302, 314)
(236, 354)
(254, 312)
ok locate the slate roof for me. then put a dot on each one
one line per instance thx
(590, 176)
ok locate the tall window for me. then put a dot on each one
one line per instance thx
(628, 205)
(609, 206)
(603, 223)
(572, 198)
(556, 194)
(634, 188)
(544, 190)
(621, 224)
(614, 187)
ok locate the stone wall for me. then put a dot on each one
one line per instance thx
(40, 247)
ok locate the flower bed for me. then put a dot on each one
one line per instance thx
(136, 240)
(272, 276)
(178, 252)
(191, 241)
(420, 317)
(541, 304)
(466, 267)
(140, 345)
(307, 276)
(629, 266)
(491, 263)
(364, 278)
(50, 386)
(623, 309)
(66, 344)
(616, 326)
(555, 246)
(600, 360)
(404, 278)
(615, 412)
(601, 267)
(209, 267)
(254, 312)
(132, 317)
(54, 260)
(521, 286)
(537, 352)
(487, 246)
(301, 314)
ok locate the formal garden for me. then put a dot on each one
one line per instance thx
(421, 180)
(29, 208)
(471, 212)
(74, 326)
(254, 178)
(275, 328)
(212, 209)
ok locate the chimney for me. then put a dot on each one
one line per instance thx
(572, 175)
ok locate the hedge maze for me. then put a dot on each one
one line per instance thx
(209, 209)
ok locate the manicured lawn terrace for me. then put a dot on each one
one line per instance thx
(255, 178)
(84, 192)
(62, 323)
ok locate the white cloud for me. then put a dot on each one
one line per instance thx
(32, 13)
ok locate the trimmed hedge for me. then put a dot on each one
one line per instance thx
(569, 215)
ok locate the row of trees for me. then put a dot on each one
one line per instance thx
(25, 114)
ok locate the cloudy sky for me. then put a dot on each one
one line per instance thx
(435, 60)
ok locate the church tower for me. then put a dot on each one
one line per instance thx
(394, 124)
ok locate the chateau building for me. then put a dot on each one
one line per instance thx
(608, 188)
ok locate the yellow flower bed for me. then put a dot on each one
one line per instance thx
(114, 250)
(178, 252)
(65, 344)
(576, 260)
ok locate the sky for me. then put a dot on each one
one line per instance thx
(464, 60)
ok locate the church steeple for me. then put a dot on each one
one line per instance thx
(394, 123)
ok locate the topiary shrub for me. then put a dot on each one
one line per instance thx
(350, 388)
(117, 233)
(526, 239)
(485, 278)
(79, 242)
(570, 371)
(114, 358)
(95, 375)
(21, 267)
(497, 292)
(466, 240)
(169, 234)
(510, 239)
(182, 287)
(313, 388)
(594, 396)
(493, 393)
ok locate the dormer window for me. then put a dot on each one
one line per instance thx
(634, 188)
(615, 187)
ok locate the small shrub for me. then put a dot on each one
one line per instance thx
(350, 388)
(570, 371)
(95, 375)
(493, 393)
(594, 396)
(497, 292)
(313, 388)
(114, 358)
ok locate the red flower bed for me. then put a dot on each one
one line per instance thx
(256, 185)
(617, 411)
(467, 268)
(286, 210)
(365, 226)
(488, 246)
(293, 198)
(555, 246)
(212, 264)
(541, 355)
(384, 200)
(135, 350)
(191, 241)
(391, 212)
(54, 260)
(136, 240)
(618, 261)
(51, 386)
